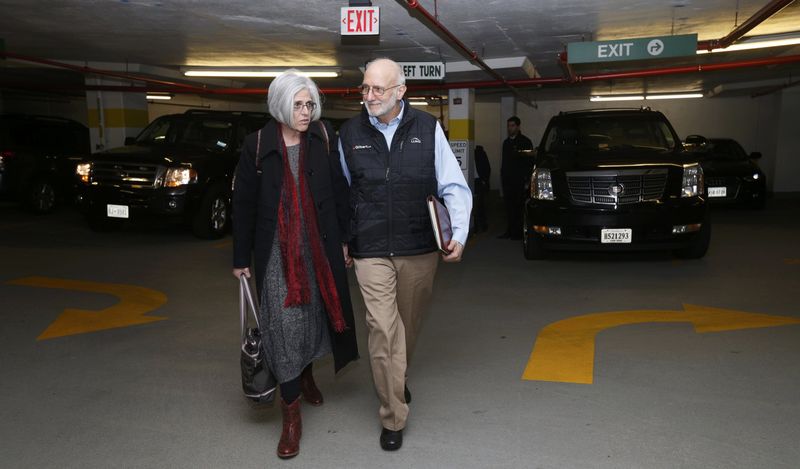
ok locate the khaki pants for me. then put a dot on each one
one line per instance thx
(396, 291)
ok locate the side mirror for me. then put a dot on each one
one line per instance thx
(755, 155)
(130, 140)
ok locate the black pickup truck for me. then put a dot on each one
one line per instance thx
(179, 168)
(615, 180)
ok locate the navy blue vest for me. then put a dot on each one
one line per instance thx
(389, 187)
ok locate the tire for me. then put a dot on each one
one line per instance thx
(212, 219)
(532, 245)
(698, 247)
(41, 196)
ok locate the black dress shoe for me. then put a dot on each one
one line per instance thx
(407, 394)
(391, 440)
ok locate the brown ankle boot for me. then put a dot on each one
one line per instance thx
(289, 446)
(309, 388)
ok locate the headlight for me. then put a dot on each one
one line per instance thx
(692, 181)
(84, 170)
(542, 184)
(179, 176)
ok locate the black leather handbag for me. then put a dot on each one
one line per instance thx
(258, 382)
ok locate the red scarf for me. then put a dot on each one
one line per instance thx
(290, 231)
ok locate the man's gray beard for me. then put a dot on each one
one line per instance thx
(382, 111)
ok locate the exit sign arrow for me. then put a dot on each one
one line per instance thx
(564, 350)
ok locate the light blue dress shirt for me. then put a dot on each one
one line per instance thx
(450, 180)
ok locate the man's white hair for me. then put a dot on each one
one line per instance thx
(400, 76)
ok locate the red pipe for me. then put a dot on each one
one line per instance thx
(695, 68)
(759, 17)
(471, 54)
(467, 84)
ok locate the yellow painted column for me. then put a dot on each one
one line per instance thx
(461, 129)
(113, 116)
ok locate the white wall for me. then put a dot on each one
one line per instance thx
(754, 122)
(787, 170)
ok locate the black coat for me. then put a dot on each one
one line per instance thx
(515, 167)
(255, 214)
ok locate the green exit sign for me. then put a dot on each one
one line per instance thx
(632, 49)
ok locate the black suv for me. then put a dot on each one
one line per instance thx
(731, 174)
(180, 167)
(37, 158)
(615, 180)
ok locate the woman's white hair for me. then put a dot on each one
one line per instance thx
(281, 95)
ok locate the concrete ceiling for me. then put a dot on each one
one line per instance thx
(167, 35)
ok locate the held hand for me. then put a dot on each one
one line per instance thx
(348, 261)
(239, 272)
(456, 250)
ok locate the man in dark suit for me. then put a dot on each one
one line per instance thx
(484, 172)
(513, 176)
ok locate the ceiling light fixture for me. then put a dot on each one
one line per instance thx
(674, 96)
(760, 42)
(648, 97)
(258, 72)
(616, 98)
(160, 97)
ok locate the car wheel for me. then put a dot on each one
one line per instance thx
(532, 245)
(211, 220)
(698, 247)
(42, 196)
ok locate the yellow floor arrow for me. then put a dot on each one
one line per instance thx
(564, 350)
(134, 303)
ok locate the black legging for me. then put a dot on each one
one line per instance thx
(290, 390)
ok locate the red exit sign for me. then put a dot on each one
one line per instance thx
(360, 21)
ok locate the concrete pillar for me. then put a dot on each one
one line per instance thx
(787, 162)
(461, 127)
(113, 116)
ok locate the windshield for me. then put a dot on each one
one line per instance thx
(725, 150)
(209, 133)
(606, 132)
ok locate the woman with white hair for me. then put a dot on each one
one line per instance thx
(292, 217)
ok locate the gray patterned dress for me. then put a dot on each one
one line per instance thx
(292, 336)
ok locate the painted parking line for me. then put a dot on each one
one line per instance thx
(134, 303)
(564, 350)
(224, 244)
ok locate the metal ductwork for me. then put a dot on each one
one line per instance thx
(759, 17)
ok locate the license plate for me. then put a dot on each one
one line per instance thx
(616, 235)
(717, 191)
(117, 211)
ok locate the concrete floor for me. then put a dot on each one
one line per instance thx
(166, 394)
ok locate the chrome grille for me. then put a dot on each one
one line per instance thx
(131, 175)
(730, 183)
(617, 187)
